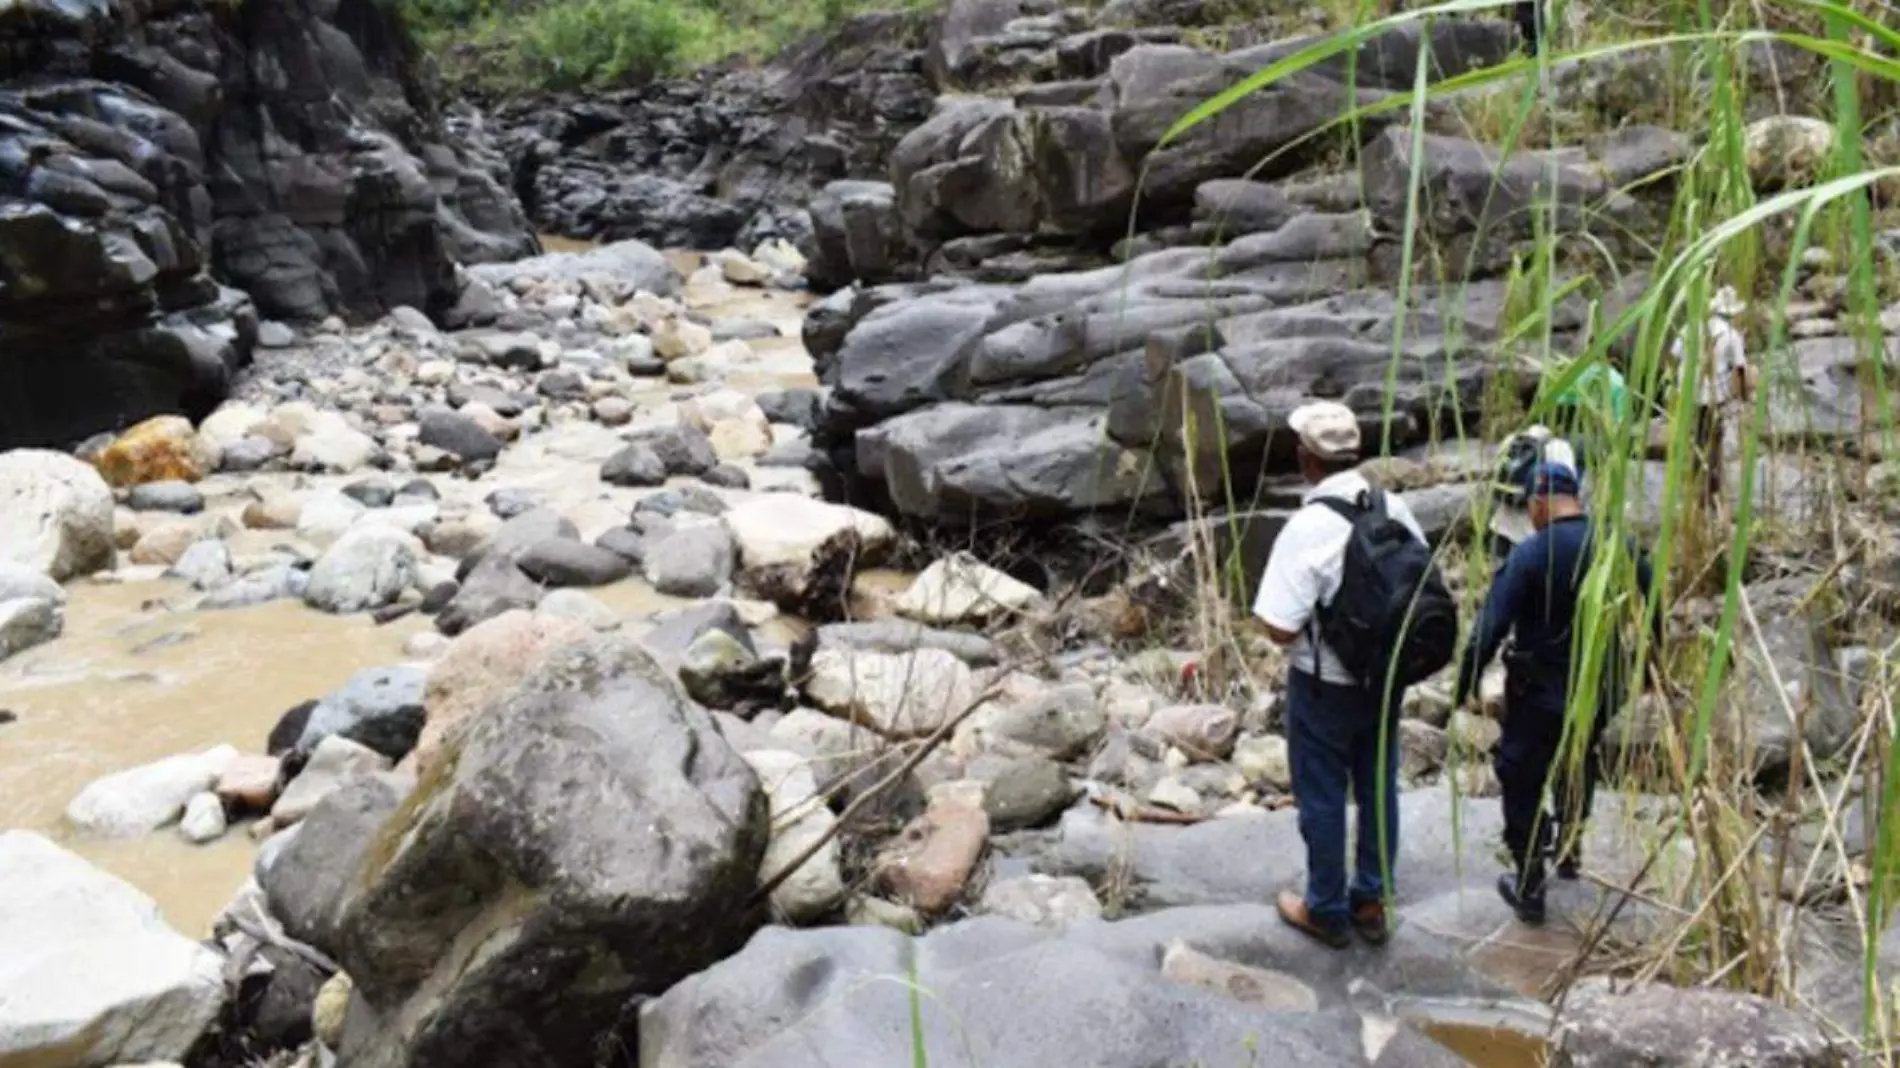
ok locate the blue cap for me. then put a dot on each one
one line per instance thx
(1551, 480)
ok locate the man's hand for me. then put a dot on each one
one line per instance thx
(1278, 636)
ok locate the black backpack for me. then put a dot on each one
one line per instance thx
(1393, 622)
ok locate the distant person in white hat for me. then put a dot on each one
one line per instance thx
(1352, 592)
(1725, 379)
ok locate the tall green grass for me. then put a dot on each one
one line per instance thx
(506, 46)
(1732, 929)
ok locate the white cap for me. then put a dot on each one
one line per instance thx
(1328, 429)
(1726, 304)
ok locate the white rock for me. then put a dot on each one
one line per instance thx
(427, 645)
(781, 535)
(143, 799)
(435, 372)
(18, 580)
(204, 819)
(1043, 900)
(1175, 794)
(334, 760)
(677, 337)
(781, 256)
(325, 517)
(407, 518)
(206, 565)
(91, 975)
(55, 514)
(961, 589)
(799, 819)
(740, 439)
(722, 405)
(367, 568)
(1265, 760)
(332, 444)
(899, 695)
(229, 425)
(578, 606)
(741, 270)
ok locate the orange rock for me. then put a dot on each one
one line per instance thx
(162, 449)
(930, 863)
(249, 784)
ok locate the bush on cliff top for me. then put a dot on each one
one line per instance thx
(514, 45)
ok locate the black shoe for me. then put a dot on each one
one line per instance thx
(1569, 857)
(1529, 904)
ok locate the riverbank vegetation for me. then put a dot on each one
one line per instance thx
(1751, 868)
(511, 46)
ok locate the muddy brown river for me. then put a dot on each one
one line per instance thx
(126, 686)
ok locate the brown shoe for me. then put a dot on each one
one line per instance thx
(1369, 919)
(1294, 913)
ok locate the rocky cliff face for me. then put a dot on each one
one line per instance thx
(1114, 320)
(725, 158)
(153, 154)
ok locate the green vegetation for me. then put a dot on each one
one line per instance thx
(1724, 864)
(517, 45)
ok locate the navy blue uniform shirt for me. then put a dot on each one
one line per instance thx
(1533, 598)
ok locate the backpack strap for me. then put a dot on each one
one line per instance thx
(1372, 500)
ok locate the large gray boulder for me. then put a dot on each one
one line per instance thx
(857, 235)
(313, 872)
(1005, 994)
(1665, 1027)
(592, 832)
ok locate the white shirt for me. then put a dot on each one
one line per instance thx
(1723, 355)
(1304, 569)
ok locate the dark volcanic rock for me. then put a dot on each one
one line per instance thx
(725, 158)
(593, 832)
(458, 435)
(288, 148)
(564, 562)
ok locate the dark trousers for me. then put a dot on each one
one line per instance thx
(1709, 432)
(1527, 761)
(1527, 24)
(1343, 741)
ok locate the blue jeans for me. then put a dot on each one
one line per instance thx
(1335, 737)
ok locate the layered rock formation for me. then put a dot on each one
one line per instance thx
(728, 157)
(153, 155)
(1053, 365)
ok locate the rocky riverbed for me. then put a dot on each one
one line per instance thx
(412, 639)
(627, 656)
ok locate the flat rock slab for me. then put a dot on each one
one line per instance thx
(1005, 994)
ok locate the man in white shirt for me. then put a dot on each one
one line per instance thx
(1725, 378)
(1340, 733)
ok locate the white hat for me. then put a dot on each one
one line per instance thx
(1726, 303)
(1328, 429)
